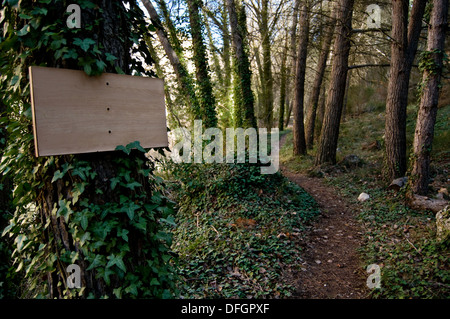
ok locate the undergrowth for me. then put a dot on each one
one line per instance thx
(401, 240)
(236, 230)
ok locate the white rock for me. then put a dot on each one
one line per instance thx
(363, 197)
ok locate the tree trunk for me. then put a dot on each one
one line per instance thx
(175, 42)
(267, 78)
(184, 79)
(283, 75)
(403, 49)
(317, 84)
(426, 117)
(207, 102)
(111, 29)
(244, 99)
(299, 91)
(330, 129)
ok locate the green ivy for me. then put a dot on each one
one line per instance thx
(121, 244)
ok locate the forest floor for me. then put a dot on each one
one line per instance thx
(331, 267)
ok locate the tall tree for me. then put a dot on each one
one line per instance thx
(403, 50)
(432, 65)
(293, 55)
(207, 111)
(267, 78)
(244, 100)
(326, 151)
(283, 80)
(318, 79)
(183, 77)
(78, 216)
(299, 89)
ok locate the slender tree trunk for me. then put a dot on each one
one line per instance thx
(184, 79)
(267, 78)
(175, 121)
(426, 117)
(299, 91)
(330, 130)
(207, 101)
(316, 88)
(175, 42)
(293, 57)
(321, 108)
(244, 99)
(289, 112)
(403, 49)
(283, 75)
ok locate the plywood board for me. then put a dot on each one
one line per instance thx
(75, 113)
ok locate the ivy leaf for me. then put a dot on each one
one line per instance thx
(169, 220)
(84, 221)
(71, 54)
(110, 57)
(154, 282)
(130, 209)
(58, 174)
(123, 148)
(98, 261)
(114, 182)
(116, 260)
(83, 44)
(25, 16)
(24, 30)
(133, 185)
(20, 240)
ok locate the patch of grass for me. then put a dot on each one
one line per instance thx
(236, 230)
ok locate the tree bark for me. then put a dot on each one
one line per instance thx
(403, 49)
(207, 111)
(299, 91)
(426, 117)
(111, 30)
(267, 78)
(316, 88)
(183, 77)
(330, 129)
(244, 99)
(283, 75)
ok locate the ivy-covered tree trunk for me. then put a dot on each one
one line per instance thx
(185, 80)
(244, 99)
(100, 211)
(207, 111)
(432, 64)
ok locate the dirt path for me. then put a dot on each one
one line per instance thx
(331, 266)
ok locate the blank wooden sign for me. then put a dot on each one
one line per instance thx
(75, 113)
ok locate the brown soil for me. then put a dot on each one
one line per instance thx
(331, 266)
